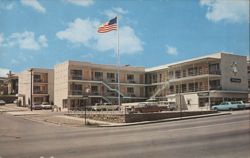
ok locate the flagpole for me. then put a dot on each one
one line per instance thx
(118, 62)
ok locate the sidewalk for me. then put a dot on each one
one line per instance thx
(12, 107)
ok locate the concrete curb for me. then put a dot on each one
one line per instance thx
(164, 120)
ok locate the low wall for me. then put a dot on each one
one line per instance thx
(114, 118)
(139, 117)
(159, 116)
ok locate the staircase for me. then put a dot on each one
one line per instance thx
(112, 89)
(159, 90)
(106, 99)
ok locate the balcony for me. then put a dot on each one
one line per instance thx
(111, 80)
(40, 92)
(131, 81)
(75, 77)
(98, 78)
(40, 80)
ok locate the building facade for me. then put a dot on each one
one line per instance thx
(80, 83)
(194, 84)
(40, 82)
(198, 83)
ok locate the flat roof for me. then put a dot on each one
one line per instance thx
(211, 56)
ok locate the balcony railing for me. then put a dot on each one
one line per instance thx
(75, 77)
(40, 80)
(192, 89)
(40, 92)
(131, 81)
(97, 78)
(111, 80)
(197, 73)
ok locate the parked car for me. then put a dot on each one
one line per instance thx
(37, 106)
(247, 105)
(146, 107)
(46, 105)
(2, 102)
(105, 107)
(228, 106)
(168, 105)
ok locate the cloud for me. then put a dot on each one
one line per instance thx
(129, 43)
(84, 32)
(79, 31)
(114, 12)
(84, 3)
(171, 50)
(25, 40)
(3, 72)
(227, 10)
(34, 4)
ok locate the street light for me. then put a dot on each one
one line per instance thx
(31, 88)
(85, 107)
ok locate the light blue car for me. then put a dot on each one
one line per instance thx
(228, 106)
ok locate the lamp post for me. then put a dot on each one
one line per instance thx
(31, 89)
(85, 107)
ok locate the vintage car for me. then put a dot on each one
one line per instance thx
(228, 106)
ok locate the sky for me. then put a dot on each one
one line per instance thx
(43, 33)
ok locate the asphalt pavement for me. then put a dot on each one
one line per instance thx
(226, 136)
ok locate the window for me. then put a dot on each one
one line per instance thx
(171, 89)
(76, 89)
(130, 90)
(94, 88)
(214, 68)
(98, 75)
(215, 85)
(184, 73)
(76, 74)
(37, 78)
(130, 77)
(171, 74)
(248, 69)
(154, 78)
(177, 74)
(192, 71)
(110, 75)
(184, 88)
(37, 89)
(160, 77)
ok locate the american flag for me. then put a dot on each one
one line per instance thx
(108, 26)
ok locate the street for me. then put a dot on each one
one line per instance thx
(226, 136)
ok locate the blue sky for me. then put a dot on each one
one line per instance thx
(42, 33)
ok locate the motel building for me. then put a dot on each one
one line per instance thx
(194, 84)
(42, 83)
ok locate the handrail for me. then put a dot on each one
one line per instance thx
(112, 89)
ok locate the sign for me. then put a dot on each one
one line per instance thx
(234, 68)
(236, 80)
(202, 94)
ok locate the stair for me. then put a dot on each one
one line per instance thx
(112, 89)
(158, 91)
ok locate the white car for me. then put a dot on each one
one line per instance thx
(2, 102)
(46, 105)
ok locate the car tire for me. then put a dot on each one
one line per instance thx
(215, 109)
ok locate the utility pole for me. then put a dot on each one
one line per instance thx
(31, 89)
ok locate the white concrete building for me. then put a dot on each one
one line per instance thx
(42, 86)
(200, 82)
